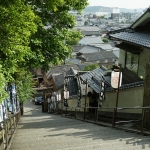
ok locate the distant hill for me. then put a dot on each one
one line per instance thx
(93, 9)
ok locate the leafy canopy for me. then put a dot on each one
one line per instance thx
(91, 67)
(51, 44)
(34, 34)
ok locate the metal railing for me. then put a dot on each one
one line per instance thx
(81, 113)
(8, 127)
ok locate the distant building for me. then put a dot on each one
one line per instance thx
(104, 14)
(115, 13)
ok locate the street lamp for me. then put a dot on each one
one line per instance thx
(53, 99)
(49, 101)
(116, 78)
(116, 81)
(58, 100)
(66, 96)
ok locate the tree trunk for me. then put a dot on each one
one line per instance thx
(21, 108)
(146, 97)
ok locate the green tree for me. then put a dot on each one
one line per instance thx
(122, 21)
(85, 23)
(2, 86)
(51, 44)
(18, 23)
(24, 83)
(34, 34)
(91, 67)
(105, 40)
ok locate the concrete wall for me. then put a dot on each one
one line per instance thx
(127, 98)
(73, 103)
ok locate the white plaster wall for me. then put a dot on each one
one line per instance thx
(73, 103)
(127, 98)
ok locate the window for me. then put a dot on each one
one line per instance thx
(131, 62)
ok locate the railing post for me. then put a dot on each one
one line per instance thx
(11, 127)
(84, 114)
(75, 112)
(114, 118)
(143, 115)
(66, 111)
(6, 138)
(95, 114)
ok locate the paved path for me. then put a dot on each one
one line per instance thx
(41, 131)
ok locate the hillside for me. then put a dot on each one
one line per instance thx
(94, 9)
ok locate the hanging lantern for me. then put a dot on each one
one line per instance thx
(66, 94)
(53, 98)
(115, 78)
(48, 100)
(58, 97)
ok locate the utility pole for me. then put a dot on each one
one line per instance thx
(146, 97)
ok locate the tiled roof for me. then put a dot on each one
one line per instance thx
(77, 48)
(101, 56)
(93, 78)
(83, 65)
(88, 33)
(73, 61)
(138, 38)
(59, 79)
(88, 28)
(103, 46)
(72, 86)
(61, 69)
(89, 49)
(91, 40)
(129, 79)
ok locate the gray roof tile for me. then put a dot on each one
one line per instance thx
(60, 69)
(99, 56)
(139, 38)
(59, 79)
(129, 79)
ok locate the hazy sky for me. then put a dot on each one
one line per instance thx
(133, 4)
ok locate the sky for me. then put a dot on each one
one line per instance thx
(130, 4)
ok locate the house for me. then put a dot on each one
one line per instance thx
(102, 57)
(134, 54)
(88, 30)
(131, 92)
(134, 44)
(90, 40)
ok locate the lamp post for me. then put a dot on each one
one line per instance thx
(66, 96)
(49, 102)
(85, 99)
(53, 98)
(58, 100)
(116, 81)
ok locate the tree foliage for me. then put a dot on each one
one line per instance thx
(91, 67)
(18, 22)
(105, 40)
(3, 93)
(34, 34)
(24, 83)
(52, 41)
